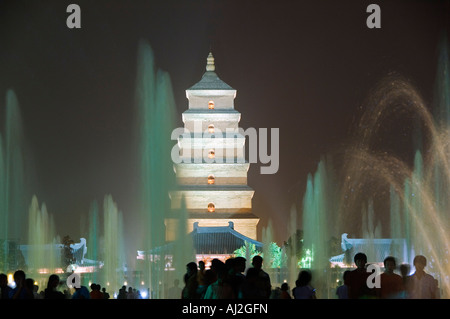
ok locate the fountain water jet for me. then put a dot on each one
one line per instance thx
(43, 258)
(93, 249)
(418, 193)
(155, 120)
(292, 258)
(12, 179)
(318, 205)
(113, 245)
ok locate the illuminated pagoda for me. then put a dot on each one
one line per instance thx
(212, 176)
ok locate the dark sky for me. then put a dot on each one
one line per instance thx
(304, 67)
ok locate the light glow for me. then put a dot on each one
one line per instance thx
(11, 281)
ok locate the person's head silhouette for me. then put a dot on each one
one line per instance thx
(390, 264)
(420, 262)
(360, 260)
(257, 262)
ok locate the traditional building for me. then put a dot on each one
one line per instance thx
(213, 242)
(212, 174)
(376, 250)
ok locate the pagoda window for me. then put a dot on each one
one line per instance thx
(211, 179)
(211, 105)
(211, 128)
(211, 154)
(211, 208)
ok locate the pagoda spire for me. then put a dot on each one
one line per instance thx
(210, 63)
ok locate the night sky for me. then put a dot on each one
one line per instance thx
(305, 67)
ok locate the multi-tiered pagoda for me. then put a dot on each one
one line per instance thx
(212, 176)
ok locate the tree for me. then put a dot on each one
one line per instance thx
(248, 251)
(294, 245)
(276, 258)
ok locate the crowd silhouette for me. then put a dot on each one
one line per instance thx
(229, 280)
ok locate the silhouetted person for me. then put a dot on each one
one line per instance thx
(29, 287)
(81, 293)
(237, 276)
(202, 286)
(105, 294)
(391, 285)
(342, 291)
(303, 289)
(5, 289)
(136, 294)
(95, 292)
(285, 291)
(191, 284)
(357, 279)
(36, 293)
(51, 291)
(20, 291)
(221, 288)
(216, 265)
(210, 277)
(250, 288)
(263, 278)
(423, 285)
(406, 279)
(130, 294)
(175, 291)
(122, 293)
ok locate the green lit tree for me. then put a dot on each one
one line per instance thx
(248, 251)
(275, 257)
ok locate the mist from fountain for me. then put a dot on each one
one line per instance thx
(155, 121)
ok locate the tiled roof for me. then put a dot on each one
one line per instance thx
(212, 240)
(210, 81)
(219, 240)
